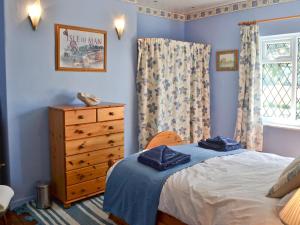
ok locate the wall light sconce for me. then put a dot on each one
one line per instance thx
(34, 13)
(120, 26)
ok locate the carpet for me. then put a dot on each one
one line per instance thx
(87, 212)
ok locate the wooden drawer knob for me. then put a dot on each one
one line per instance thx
(82, 145)
(111, 142)
(81, 176)
(80, 117)
(81, 161)
(110, 127)
(111, 162)
(79, 131)
(111, 113)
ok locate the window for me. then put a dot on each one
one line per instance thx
(280, 57)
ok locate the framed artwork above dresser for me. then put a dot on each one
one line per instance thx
(85, 142)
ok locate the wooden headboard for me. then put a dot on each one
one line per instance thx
(169, 138)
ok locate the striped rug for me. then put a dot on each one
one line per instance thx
(88, 212)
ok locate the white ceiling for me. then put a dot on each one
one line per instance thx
(184, 6)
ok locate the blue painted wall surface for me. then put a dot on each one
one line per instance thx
(33, 84)
(3, 136)
(156, 27)
(223, 33)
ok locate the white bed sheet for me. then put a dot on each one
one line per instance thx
(226, 190)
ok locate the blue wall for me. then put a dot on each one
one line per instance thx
(33, 84)
(223, 33)
(156, 27)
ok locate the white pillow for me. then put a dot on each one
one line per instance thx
(288, 181)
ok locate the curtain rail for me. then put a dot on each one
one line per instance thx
(245, 23)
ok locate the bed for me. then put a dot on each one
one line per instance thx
(214, 192)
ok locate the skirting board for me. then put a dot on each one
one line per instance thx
(18, 202)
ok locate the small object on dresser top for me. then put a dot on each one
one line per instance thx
(88, 99)
(163, 158)
(219, 143)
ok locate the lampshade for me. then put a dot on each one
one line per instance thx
(34, 13)
(120, 26)
(290, 214)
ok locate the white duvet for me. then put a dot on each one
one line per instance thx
(226, 190)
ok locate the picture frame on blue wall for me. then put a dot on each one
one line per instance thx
(80, 49)
(227, 60)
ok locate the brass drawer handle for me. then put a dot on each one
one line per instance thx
(111, 142)
(110, 127)
(80, 117)
(111, 113)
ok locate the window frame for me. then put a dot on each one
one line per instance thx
(293, 58)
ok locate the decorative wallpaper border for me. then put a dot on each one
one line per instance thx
(243, 5)
(161, 13)
(215, 11)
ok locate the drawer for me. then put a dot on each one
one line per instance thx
(95, 129)
(94, 143)
(94, 158)
(80, 116)
(87, 173)
(106, 114)
(86, 188)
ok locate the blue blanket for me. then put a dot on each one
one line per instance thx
(133, 189)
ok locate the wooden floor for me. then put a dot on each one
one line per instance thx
(14, 219)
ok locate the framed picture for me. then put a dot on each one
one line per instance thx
(228, 60)
(80, 49)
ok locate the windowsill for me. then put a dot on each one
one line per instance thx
(280, 125)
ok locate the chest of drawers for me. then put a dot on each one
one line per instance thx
(84, 141)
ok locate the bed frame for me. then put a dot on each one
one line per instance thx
(169, 138)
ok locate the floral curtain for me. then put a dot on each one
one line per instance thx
(173, 89)
(249, 128)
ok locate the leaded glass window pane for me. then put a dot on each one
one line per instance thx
(298, 82)
(277, 90)
(276, 50)
(281, 79)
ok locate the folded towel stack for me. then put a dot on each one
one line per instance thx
(163, 158)
(220, 143)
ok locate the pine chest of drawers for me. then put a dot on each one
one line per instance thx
(85, 142)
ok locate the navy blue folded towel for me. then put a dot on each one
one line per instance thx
(220, 143)
(163, 158)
